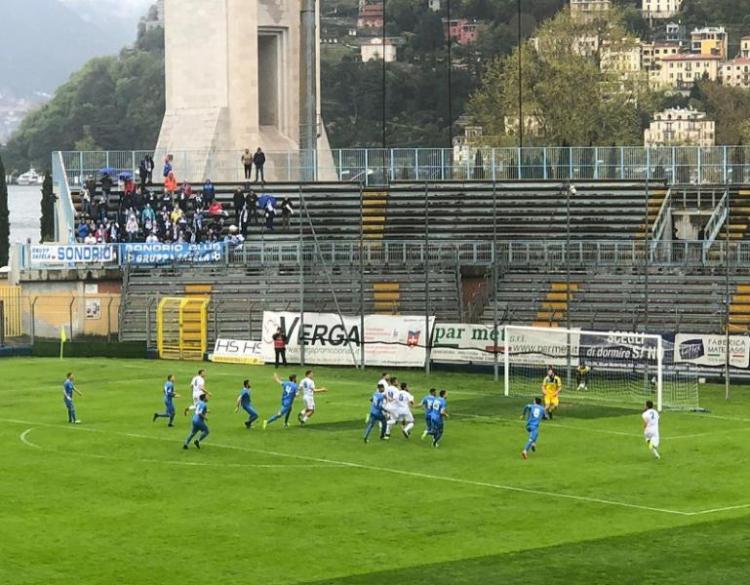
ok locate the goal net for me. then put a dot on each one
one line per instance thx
(608, 367)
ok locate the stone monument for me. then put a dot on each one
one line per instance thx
(235, 79)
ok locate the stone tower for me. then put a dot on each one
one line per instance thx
(233, 82)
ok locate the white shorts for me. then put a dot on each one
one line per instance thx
(309, 402)
(652, 438)
(404, 416)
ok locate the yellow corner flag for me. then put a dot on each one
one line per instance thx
(63, 339)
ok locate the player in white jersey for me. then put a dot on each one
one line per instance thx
(650, 418)
(391, 398)
(402, 412)
(384, 380)
(307, 385)
(197, 387)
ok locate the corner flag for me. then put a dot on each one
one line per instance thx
(63, 339)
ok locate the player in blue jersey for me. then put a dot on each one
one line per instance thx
(169, 396)
(69, 389)
(289, 391)
(426, 404)
(377, 413)
(534, 413)
(438, 414)
(244, 402)
(199, 423)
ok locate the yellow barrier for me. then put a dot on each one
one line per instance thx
(11, 297)
(182, 328)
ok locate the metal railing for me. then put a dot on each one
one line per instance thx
(662, 219)
(535, 254)
(64, 210)
(673, 164)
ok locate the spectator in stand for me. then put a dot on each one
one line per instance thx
(233, 238)
(170, 183)
(186, 196)
(102, 208)
(215, 209)
(131, 227)
(82, 230)
(114, 231)
(239, 202)
(86, 202)
(259, 159)
(244, 220)
(270, 214)
(150, 169)
(106, 184)
(279, 346)
(90, 239)
(143, 172)
(101, 234)
(286, 211)
(128, 186)
(167, 165)
(148, 218)
(247, 163)
(251, 200)
(209, 193)
(152, 238)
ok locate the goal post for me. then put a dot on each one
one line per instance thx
(620, 368)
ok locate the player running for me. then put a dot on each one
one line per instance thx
(402, 412)
(244, 402)
(391, 397)
(534, 414)
(289, 390)
(377, 413)
(438, 414)
(426, 404)
(308, 396)
(551, 387)
(198, 386)
(582, 376)
(650, 418)
(169, 396)
(199, 423)
(69, 389)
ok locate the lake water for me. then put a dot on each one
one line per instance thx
(24, 204)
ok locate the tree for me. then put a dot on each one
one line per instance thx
(47, 222)
(4, 219)
(574, 94)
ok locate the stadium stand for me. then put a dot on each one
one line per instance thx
(525, 210)
(241, 294)
(678, 301)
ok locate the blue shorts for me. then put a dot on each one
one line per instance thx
(533, 433)
(437, 422)
(200, 426)
(169, 405)
(286, 407)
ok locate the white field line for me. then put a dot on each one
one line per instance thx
(24, 439)
(496, 486)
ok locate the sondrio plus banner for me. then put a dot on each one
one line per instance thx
(332, 340)
(711, 350)
(466, 343)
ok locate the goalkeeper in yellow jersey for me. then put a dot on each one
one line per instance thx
(582, 376)
(551, 387)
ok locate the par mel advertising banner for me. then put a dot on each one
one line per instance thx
(390, 340)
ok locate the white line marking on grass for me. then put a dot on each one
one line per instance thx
(25, 441)
(726, 509)
(496, 486)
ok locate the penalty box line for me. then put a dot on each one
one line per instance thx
(420, 475)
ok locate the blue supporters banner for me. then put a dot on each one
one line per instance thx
(155, 253)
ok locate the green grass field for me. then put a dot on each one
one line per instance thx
(117, 500)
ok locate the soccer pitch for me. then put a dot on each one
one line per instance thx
(117, 500)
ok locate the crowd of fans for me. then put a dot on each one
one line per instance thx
(174, 214)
